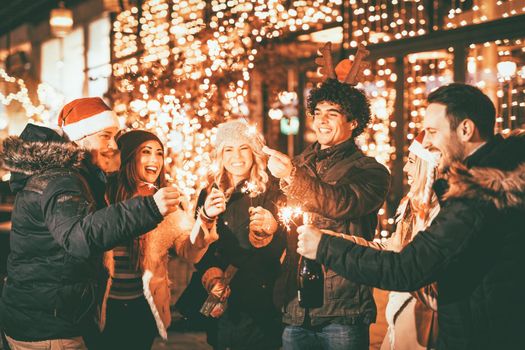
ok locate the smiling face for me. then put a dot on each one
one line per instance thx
(103, 149)
(441, 137)
(149, 161)
(330, 125)
(237, 158)
(410, 168)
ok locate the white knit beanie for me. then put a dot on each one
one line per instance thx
(239, 130)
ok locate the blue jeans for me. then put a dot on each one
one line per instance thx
(332, 336)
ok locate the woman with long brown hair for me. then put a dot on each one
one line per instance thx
(136, 306)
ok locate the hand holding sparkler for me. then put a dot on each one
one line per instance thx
(289, 216)
(184, 202)
(215, 204)
(262, 220)
(167, 200)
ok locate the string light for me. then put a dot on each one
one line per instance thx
(49, 99)
(179, 76)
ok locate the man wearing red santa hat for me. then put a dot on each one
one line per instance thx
(61, 225)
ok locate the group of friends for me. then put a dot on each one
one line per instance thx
(88, 266)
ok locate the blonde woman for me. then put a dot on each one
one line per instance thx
(249, 239)
(412, 317)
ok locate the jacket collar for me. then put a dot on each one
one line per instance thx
(494, 173)
(315, 153)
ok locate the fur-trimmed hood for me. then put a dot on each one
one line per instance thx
(36, 150)
(33, 157)
(497, 176)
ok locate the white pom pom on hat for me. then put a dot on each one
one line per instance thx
(85, 116)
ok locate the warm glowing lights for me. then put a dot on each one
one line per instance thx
(48, 97)
(61, 20)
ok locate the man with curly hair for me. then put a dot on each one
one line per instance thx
(343, 190)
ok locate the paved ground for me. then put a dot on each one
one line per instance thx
(183, 341)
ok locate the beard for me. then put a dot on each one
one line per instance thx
(451, 153)
(107, 161)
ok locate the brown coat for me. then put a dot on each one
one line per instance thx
(174, 232)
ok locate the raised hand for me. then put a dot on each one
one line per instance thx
(215, 203)
(184, 201)
(167, 200)
(279, 164)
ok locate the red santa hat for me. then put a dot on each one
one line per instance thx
(85, 116)
(420, 151)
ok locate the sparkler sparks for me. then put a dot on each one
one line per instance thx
(251, 189)
(287, 215)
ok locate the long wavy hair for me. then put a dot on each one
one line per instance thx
(124, 186)
(421, 198)
(224, 180)
(127, 179)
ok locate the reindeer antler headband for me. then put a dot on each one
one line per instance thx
(346, 71)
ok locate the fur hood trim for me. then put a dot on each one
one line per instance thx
(35, 157)
(505, 189)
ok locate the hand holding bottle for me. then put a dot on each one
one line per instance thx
(308, 241)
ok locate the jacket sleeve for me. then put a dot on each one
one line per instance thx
(353, 197)
(419, 263)
(68, 215)
(192, 252)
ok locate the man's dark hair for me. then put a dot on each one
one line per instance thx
(353, 102)
(466, 101)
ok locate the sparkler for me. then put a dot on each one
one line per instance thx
(287, 215)
(151, 186)
(251, 189)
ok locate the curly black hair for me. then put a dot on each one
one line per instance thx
(353, 102)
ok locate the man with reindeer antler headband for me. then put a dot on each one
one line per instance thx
(343, 190)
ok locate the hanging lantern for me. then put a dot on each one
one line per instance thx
(61, 20)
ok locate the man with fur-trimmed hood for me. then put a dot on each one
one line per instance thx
(61, 226)
(474, 247)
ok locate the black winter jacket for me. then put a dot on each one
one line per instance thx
(258, 268)
(473, 249)
(344, 190)
(60, 228)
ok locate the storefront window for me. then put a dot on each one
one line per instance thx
(63, 64)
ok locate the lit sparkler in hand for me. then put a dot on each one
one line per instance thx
(288, 215)
(251, 189)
